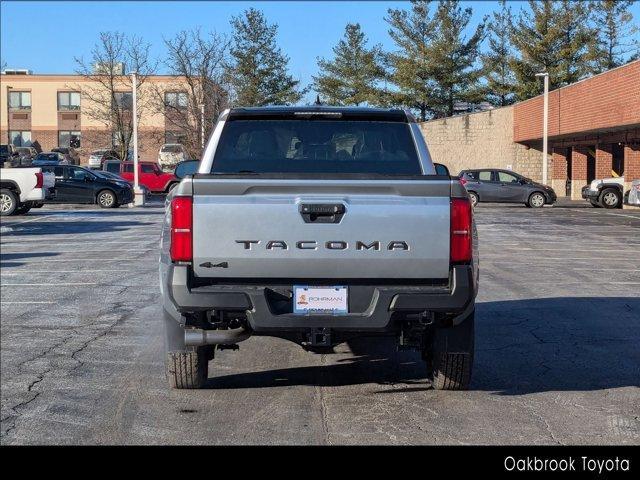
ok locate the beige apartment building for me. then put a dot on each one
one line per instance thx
(47, 111)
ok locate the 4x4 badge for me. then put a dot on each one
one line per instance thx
(217, 265)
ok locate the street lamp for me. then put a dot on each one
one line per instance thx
(201, 125)
(138, 194)
(8, 115)
(545, 125)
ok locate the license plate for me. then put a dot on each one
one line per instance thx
(332, 300)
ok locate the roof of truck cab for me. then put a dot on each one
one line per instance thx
(389, 114)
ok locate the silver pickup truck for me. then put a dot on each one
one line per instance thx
(318, 225)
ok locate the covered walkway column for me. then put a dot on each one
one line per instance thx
(604, 160)
(631, 165)
(559, 171)
(578, 171)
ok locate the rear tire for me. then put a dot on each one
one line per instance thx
(610, 198)
(187, 370)
(8, 202)
(451, 360)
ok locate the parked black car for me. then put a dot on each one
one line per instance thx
(505, 186)
(79, 185)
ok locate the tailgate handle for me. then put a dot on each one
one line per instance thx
(322, 212)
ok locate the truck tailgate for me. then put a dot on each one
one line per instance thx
(254, 228)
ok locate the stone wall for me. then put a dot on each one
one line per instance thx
(481, 140)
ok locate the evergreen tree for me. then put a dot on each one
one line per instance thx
(496, 63)
(412, 32)
(259, 68)
(453, 57)
(615, 29)
(352, 77)
(577, 41)
(538, 40)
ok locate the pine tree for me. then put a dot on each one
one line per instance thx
(453, 58)
(577, 41)
(259, 73)
(615, 29)
(500, 81)
(538, 40)
(352, 77)
(412, 33)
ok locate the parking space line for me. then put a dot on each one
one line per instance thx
(89, 272)
(46, 284)
(25, 303)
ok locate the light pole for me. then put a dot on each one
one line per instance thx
(202, 125)
(545, 125)
(8, 115)
(138, 194)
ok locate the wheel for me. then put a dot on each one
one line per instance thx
(610, 198)
(8, 202)
(22, 209)
(595, 204)
(474, 198)
(187, 369)
(107, 199)
(451, 357)
(536, 200)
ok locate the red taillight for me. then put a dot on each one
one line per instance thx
(463, 182)
(461, 224)
(39, 180)
(181, 229)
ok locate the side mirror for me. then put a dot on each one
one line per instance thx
(441, 169)
(188, 167)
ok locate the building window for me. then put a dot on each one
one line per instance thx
(68, 139)
(20, 139)
(124, 100)
(176, 99)
(68, 100)
(175, 137)
(20, 100)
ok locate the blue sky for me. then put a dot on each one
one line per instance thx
(45, 36)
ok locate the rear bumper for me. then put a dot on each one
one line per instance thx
(268, 307)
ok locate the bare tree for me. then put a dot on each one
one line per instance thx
(107, 96)
(200, 63)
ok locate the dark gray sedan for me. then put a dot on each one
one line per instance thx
(505, 186)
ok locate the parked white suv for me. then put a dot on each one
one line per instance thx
(171, 154)
(605, 192)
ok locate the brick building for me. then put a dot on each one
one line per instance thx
(594, 132)
(47, 111)
(594, 129)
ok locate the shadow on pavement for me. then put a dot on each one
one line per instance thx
(522, 346)
(65, 227)
(20, 256)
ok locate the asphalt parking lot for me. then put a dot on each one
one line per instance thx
(557, 335)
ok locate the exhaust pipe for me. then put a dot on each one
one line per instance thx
(197, 337)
